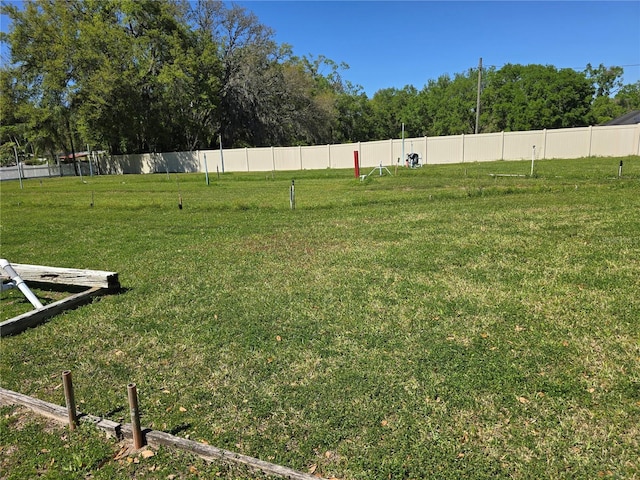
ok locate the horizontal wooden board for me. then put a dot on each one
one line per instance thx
(65, 276)
(33, 318)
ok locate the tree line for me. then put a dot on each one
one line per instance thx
(133, 76)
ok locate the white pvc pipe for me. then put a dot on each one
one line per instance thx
(533, 158)
(6, 266)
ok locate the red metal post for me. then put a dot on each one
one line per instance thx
(356, 163)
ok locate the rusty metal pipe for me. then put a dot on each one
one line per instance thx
(69, 399)
(138, 441)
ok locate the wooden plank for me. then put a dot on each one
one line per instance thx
(46, 409)
(56, 412)
(66, 276)
(210, 453)
(36, 317)
(207, 452)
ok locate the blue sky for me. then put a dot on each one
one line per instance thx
(397, 43)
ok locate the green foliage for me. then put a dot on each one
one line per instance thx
(536, 97)
(607, 80)
(166, 75)
(449, 105)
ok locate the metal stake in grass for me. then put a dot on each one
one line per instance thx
(18, 164)
(292, 195)
(69, 399)
(206, 169)
(620, 169)
(132, 394)
(179, 193)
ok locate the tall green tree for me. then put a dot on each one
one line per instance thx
(448, 105)
(43, 49)
(628, 97)
(530, 97)
(354, 117)
(606, 82)
(390, 108)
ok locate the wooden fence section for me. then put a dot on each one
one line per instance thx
(611, 141)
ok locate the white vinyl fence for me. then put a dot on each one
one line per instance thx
(40, 171)
(610, 141)
(602, 141)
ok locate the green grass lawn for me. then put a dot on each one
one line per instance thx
(437, 323)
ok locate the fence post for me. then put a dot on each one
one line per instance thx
(273, 159)
(300, 156)
(391, 150)
(425, 150)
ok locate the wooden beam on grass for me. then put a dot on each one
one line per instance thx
(210, 453)
(35, 317)
(67, 276)
(97, 282)
(206, 452)
(56, 412)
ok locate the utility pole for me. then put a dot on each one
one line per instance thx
(479, 88)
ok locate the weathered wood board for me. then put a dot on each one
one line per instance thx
(66, 276)
(96, 282)
(34, 318)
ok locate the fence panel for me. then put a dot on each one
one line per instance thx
(615, 141)
(573, 143)
(373, 154)
(485, 147)
(519, 145)
(316, 157)
(342, 155)
(285, 158)
(444, 149)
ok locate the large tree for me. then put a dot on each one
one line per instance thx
(448, 105)
(43, 71)
(529, 97)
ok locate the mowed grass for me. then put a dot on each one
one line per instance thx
(439, 323)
